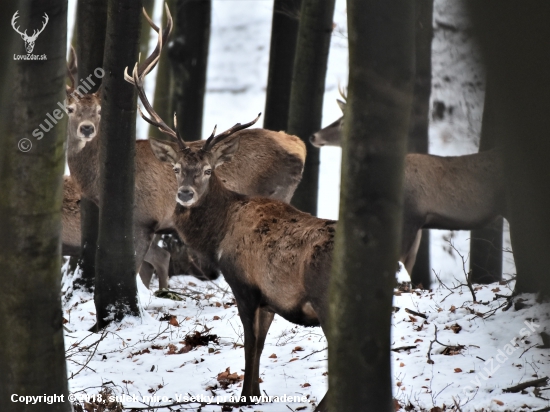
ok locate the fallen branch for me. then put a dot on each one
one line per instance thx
(521, 386)
(412, 312)
(403, 348)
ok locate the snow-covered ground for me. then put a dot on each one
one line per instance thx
(151, 356)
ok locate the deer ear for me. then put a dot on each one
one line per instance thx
(341, 105)
(224, 152)
(164, 151)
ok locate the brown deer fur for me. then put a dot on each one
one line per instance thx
(451, 193)
(154, 260)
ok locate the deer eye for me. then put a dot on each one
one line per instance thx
(70, 109)
(208, 172)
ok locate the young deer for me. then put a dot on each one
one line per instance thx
(276, 258)
(451, 193)
(271, 164)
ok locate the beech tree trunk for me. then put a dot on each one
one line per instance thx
(420, 123)
(91, 24)
(115, 286)
(308, 88)
(381, 79)
(284, 34)
(486, 244)
(189, 56)
(515, 46)
(32, 353)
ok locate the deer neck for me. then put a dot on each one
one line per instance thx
(83, 163)
(204, 225)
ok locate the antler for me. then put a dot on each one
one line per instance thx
(214, 140)
(342, 92)
(37, 32)
(13, 19)
(138, 76)
(72, 67)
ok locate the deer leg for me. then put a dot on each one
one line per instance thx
(410, 258)
(256, 322)
(146, 272)
(160, 260)
(142, 241)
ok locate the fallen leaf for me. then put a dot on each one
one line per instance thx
(173, 321)
(305, 385)
(500, 403)
(273, 356)
(458, 370)
(453, 308)
(401, 364)
(293, 359)
(216, 318)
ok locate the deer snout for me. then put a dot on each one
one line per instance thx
(315, 141)
(185, 196)
(86, 130)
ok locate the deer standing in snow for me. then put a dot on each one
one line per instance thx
(450, 193)
(276, 258)
(271, 164)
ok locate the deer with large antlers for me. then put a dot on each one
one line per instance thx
(275, 258)
(29, 40)
(268, 164)
(452, 193)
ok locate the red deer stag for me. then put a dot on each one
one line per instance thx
(276, 258)
(270, 163)
(451, 193)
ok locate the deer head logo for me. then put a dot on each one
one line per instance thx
(29, 40)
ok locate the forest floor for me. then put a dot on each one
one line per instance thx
(184, 348)
(448, 350)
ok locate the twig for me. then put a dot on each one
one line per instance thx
(467, 274)
(314, 352)
(412, 312)
(403, 348)
(519, 387)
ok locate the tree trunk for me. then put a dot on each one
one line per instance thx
(163, 87)
(91, 23)
(284, 33)
(32, 353)
(515, 45)
(486, 244)
(381, 41)
(419, 123)
(115, 286)
(189, 56)
(308, 88)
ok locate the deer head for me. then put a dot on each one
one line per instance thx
(193, 166)
(84, 110)
(29, 40)
(332, 134)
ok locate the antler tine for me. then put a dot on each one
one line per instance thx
(165, 34)
(214, 140)
(72, 67)
(342, 92)
(13, 23)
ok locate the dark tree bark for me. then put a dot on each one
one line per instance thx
(189, 56)
(163, 87)
(486, 244)
(381, 77)
(515, 46)
(308, 88)
(284, 33)
(115, 286)
(419, 124)
(32, 353)
(91, 24)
